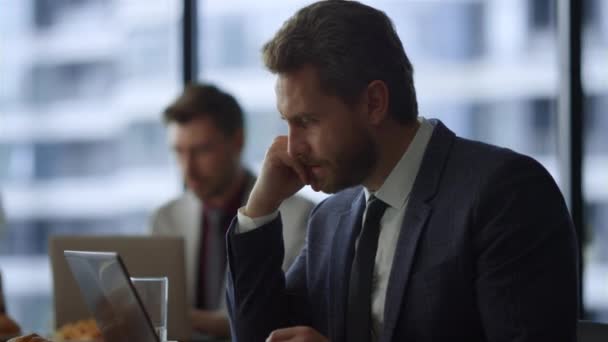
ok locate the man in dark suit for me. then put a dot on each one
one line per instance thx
(428, 236)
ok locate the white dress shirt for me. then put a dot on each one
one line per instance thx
(395, 192)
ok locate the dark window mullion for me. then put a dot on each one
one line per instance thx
(571, 117)
(189, 42)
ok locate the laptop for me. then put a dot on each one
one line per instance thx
(145, 256)
(110, 296)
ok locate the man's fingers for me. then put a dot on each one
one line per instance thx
(283, 334)
(279, 150)
(300, 333)
(296, 166)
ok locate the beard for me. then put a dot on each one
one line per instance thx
(350, 166)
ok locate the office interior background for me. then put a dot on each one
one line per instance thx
(83, 84)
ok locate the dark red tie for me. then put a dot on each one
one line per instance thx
(202, 260)
(207, 274)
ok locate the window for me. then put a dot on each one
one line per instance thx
(147, 53)
(78, 80)
(144, 144)
(595, 159)
(74, 159)
(82, 147)
(54, 12)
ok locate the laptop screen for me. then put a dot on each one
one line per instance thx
(107, 290)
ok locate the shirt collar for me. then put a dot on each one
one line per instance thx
(397, 187)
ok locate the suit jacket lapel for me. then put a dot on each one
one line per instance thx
(417, 213)
(413, 223)
(343, 246)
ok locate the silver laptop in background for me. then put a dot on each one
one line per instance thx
(144, 256)
(106, 287)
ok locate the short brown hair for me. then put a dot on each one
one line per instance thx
(350, 45)
(206, 101)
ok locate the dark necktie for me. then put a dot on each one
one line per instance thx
(359, 318)
(212, 264)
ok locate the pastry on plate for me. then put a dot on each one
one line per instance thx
(82, 330)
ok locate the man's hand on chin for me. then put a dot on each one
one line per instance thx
(281, 176)
(300, 334)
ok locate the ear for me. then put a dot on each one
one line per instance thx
(377, 96)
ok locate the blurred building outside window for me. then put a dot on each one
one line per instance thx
(82, 145)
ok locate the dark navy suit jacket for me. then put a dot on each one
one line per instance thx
(487, 252)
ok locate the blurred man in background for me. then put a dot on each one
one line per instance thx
(205, 129)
